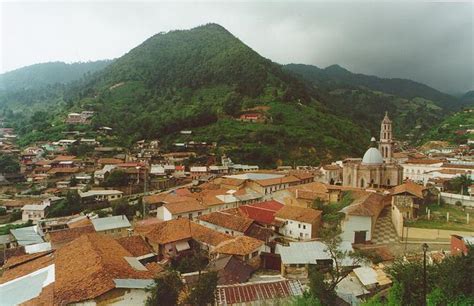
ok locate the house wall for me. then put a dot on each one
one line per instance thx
(116, 233)
(189, 215)
(351, 224)
(221, 229)
(416, 172)
(296, 229)
(118, 297)
(33, 215)
(452, 198)
(163, 214)
(423, 234)
(397, 220)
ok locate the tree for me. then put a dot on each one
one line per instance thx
(122, 207)
(323, 281)
(165, 289)
(196, 262)
(116, 178)
(8, 164)
(73, 181)
(460, 184)
(203, 292)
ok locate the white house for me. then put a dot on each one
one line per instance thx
(34, 212)
(226, 223)
(418, 170)
(361, 216)
(298, 222)
(189, 209)
(101, 195)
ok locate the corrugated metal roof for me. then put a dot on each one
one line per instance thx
(366, 275)
(133, 283)
(4, 239)
(27, 235)
(310, 251)
(107, 223)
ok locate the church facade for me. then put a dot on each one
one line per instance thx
(377, 168)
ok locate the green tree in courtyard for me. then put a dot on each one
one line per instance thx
(165, 289)
(203, 292)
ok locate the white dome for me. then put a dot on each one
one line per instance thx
(372, 157)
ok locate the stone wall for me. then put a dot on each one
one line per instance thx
(452, 198)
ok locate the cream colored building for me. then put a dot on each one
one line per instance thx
(377, 168)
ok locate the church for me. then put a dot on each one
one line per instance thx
(377, 168)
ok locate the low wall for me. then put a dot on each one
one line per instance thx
(413, 233)
(452, 198)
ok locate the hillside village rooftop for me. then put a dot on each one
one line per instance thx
(255, 176)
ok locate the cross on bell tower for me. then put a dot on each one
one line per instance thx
(386, 142)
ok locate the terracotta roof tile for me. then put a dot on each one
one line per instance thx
(169, 231)
(232, 222)
(423, 161)
(181, 229)
(301, 214)
(409, 187)
(136, 245)
(27, 267)
(86, 268)
(370, 204)
(184, 207)
(63, 170)
(109, 161)
(240, 245)
(276, 181)
(69, 234)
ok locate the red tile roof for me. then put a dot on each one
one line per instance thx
(86, 268)
(136, 245)
(232, 222)
(302, 214)
(260, 213)
(248, 293)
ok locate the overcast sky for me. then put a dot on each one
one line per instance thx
(428, 42)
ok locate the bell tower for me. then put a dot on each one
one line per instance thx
(386, 142)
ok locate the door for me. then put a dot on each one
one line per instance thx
(359, 236)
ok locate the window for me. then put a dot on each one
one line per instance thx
(255, 254)
(299, 225)
(304, 226)
(301, 235)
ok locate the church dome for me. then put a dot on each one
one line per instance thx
(372, 157)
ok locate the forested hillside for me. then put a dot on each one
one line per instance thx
(203, 79)
(43, 86)
(414, 107)
(39, 75)
(336, 76)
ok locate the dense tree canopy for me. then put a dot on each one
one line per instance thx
(9, 164)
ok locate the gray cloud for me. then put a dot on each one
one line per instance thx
(427, 42)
